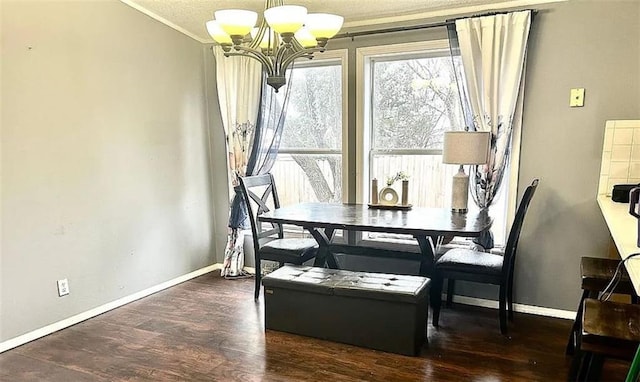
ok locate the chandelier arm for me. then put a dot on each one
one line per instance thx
(281, 56)
(297, 45)
(255, 43)
(246, 52)
(287, 61)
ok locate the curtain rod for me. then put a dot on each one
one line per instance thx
(352, 35)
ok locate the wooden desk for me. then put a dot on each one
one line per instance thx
(322, 219)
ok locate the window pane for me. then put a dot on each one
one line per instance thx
(429, 182)
(308, 178)
(314, 115)
(414, 102)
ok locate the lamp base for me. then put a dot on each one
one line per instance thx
(460, 191)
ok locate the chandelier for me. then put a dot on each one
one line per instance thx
(286, 32)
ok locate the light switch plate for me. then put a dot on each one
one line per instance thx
(577, 97)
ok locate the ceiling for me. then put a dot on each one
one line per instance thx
(189, 16)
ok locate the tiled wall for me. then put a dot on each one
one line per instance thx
(620, 155)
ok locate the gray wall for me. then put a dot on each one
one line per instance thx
(590, 44)
(105, 158)
(111, 177)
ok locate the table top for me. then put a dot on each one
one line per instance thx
(359, 217)
(623, 228)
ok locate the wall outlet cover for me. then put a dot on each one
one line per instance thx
(63, 287)
(577, 97)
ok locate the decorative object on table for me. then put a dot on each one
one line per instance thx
(388, 197)
(464, 148)
(405, 192)
(374, 191)
(286, 32)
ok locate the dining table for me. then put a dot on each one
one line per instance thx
(425, 225)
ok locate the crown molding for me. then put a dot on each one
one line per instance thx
(164, 21)
(443, 13)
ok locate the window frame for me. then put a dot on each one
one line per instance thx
(364, 94)
(325, 59)
(365, 57)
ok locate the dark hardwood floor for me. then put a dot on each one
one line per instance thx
(210, 329)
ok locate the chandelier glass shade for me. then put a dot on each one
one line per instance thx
(285, 33)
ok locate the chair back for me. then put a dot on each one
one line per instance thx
(516, 228)
(260, 195)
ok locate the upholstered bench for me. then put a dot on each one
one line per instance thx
(374, 310)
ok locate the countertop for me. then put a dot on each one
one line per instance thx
(623, 229)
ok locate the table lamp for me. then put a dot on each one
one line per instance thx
(464, 148)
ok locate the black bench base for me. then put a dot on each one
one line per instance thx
(377, 311)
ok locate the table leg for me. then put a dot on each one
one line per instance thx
(428, 255)
(323, 238)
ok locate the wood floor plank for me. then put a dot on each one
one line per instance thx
(17, 367)
(211, 329)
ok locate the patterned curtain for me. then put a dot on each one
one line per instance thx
(492, 50)
(239, 83)
(253, 147)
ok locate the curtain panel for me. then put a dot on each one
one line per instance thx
(238, 81)
(492, 51)
(253, 116)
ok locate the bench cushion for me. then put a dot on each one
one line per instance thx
(378, 286)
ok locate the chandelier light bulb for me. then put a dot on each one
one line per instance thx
(237, 23)
(323, 26)
(305, 38)
(286, 19)
(217, 34)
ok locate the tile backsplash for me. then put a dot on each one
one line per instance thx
(620, 155)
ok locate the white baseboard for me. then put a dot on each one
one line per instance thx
(522, 308)
(28, 337)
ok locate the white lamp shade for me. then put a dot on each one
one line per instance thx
(236, 22)
(466, 147)
(323, 25)
(286, 18)
(216, 32)
(305, 38)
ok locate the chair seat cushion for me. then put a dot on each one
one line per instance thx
(294, 250)
(467, 260)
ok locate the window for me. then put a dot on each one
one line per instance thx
(310, 162)
(409, 99)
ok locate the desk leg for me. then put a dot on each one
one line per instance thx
(324, 255)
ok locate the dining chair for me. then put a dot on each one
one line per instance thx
(260, 194)
(483, 267)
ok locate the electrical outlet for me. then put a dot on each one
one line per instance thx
(63, 287)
